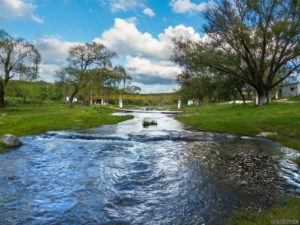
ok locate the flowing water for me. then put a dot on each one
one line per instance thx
(128, 174)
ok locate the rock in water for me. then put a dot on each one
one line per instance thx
(11, 140)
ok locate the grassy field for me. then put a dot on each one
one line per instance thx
(280, 118)
(27, 120)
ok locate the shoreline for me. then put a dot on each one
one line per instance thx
(31, 120)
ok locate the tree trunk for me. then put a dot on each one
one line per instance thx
(24, 100)
(2, 102)
(73, 95)
(262, 97)
(269, 98)
(242, 95)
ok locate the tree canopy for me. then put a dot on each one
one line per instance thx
(19, 59)
(85, 63)
(253, 41)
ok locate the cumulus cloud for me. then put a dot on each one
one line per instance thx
(48, 72)
(125, 38)
(149, 12)
(18, 9)
(187, 6)
(146, 58)
(54, 52)
(150, 72)
(53, 49)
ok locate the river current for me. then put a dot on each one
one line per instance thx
(128, 174)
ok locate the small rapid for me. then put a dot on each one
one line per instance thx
(128, 174)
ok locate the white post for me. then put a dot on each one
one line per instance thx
(179, 104)
(276, 95)
(120, 103)
(256, 99)
(102, 102)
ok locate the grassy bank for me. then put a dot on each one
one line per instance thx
(27, 120)
(280, 118)
(286, 213)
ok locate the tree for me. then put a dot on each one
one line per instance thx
(121, 72)
(18, 59)
(84, 64)
(254, 41)
(133, 89)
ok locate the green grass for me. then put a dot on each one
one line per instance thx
(27, 120)
(281, 118)
(288, 210)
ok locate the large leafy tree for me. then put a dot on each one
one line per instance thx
(19, 59)
(85, 63)
(253, 41)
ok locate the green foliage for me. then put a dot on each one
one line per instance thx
(18, 59)
(38, 91)
(282, 118)
(256, 42)
(86, 65)
(211, 87)
(288, 210)
(149, 122)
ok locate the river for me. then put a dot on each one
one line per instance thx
(128, 174)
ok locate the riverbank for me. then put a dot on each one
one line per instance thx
(281, 119)
(285, 213)
(34, 119)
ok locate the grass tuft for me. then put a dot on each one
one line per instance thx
(149, 122)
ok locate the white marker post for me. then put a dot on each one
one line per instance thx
(179, 103)
(120, 103)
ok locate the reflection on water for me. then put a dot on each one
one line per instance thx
(127, 174)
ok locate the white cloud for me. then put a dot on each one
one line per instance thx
(18, 9)
(147, 58)
(187, 6)
(149, 12)
(145, 69)
(125, 38)
(54, 52)
(125, 5)
(48, 72)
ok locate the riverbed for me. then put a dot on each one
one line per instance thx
(130, 174)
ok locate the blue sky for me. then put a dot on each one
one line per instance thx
(140, 31)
